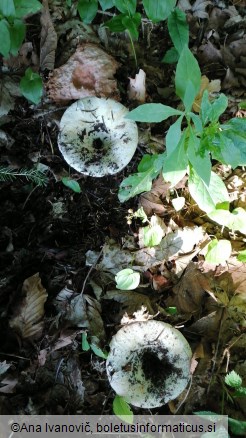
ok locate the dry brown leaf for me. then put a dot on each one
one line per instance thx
(190, 291)
(136, 89)
(127, 301)
(211, 86)
(48, 42)
(29, 313)
(26, 57)
(88, 72)
(152, 201)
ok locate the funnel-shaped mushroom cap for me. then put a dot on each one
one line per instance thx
(149, 363)
(95, 137)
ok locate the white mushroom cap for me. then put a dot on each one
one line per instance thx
(95, 137)
(149, 363)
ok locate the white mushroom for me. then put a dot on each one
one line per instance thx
(149, 363)
(95, 137)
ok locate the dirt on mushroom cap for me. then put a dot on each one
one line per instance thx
(95, 137)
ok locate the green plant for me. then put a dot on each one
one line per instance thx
(122, 409)
(33, 175)
(92, 345)
(12, 25)
(191, 142)
(12, 34)
(234, 380)
(31, 86)
(129, 19)
(71, 184)
(127, 279)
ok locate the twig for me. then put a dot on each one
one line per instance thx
(90, 270)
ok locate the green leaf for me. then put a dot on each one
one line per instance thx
(218, 107)
(152, 113)
(122, 409)
(173, 135)
(17, 32)
(242, 256)
(31, 86)
(106, 4)
(187, 78)
(237, 427)
(135, 184)
(201, 164)
(240, 392)
(85, 343)
(87, 10)
(132, 24)
(218, 251)
(127, 7)
(171, 310)
(7, 8)
(158, 10)
(178, 29)
(206, 108)
(237, 221)
(148, 168)
(242, 105)
(24, 7)
(171, 56)
(127, 279)
(5, 42)
(207, 196)
(175, 164)
(115, 24)
(230, 143)
(197, 122)
(152, 235)
(71, 184)
(233, 379)
(98, 351)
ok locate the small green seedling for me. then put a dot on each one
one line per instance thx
(31, 86)
(122, 409)
(86, 346)
(71, 184)
(127, 279)
(234, 380)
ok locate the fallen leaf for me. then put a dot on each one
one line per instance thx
(211, 86)
(137, 89)
(9, 89)
(48, 42)
(9, 385)
(152, 201)
(127, 302)
(29, 313)
(88, 72)
(198, 8)
(189, 293)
